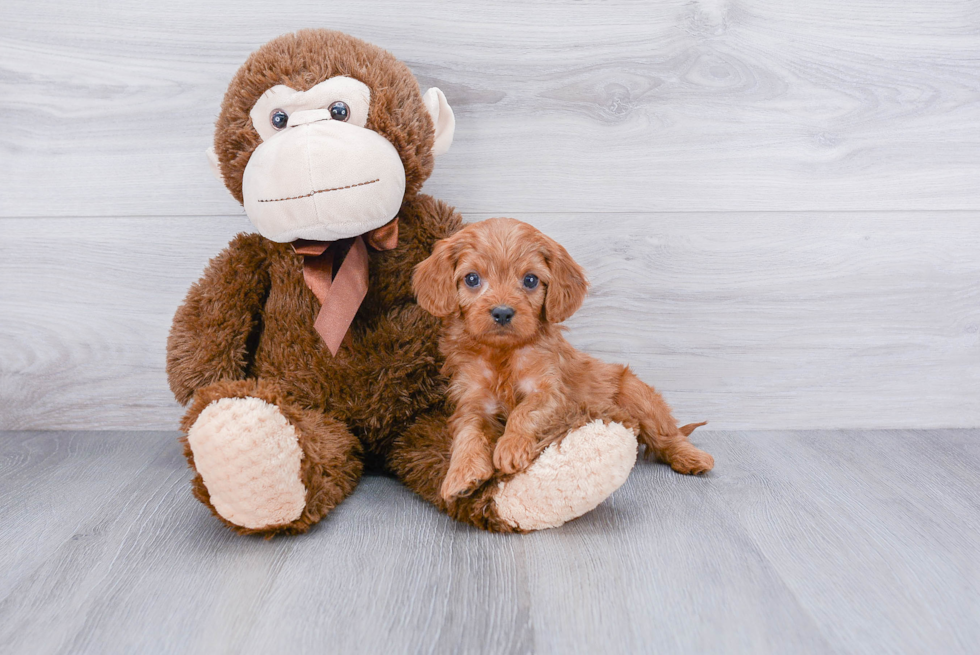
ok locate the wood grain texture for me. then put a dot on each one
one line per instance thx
(698, 156)
(802, 542)
(681, 105)
(47, 484)
(747, 320)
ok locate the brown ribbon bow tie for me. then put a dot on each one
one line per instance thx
(341, 292)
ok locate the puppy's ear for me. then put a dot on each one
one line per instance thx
(568, 285)
(434, 280)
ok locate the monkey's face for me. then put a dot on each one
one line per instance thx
(319, 173)
(322, 136)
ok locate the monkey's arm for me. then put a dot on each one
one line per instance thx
(209, 337)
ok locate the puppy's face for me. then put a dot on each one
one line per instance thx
(503, 278)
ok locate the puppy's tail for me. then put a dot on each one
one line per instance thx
(686, 430)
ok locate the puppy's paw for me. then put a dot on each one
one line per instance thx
(465, 476)
(691, 461)
(513, 453)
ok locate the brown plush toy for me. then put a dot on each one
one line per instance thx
(301, 350)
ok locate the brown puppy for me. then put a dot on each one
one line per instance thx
(501, 288)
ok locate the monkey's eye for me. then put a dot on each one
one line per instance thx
(530, 281)
(339, 111)
(472, 280)
(278, 118)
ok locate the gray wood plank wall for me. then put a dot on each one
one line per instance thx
(778, 202)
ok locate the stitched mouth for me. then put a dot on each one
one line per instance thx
(313, 193)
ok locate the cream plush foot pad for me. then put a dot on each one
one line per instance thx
(569, 478)
(249, 457)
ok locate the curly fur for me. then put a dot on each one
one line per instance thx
(515, 383)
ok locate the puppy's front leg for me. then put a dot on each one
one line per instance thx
(518, 446)
(470, 463)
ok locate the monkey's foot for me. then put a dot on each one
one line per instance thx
(249, 457)
(569, 478)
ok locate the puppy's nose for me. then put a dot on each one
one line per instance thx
(502, 314)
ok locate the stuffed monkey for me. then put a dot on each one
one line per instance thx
(301, 351)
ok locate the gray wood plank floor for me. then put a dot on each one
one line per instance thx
(820, 541)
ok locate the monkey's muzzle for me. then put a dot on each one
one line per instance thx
(322, 180)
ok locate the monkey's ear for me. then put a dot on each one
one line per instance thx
(215, 167)
(443, 119)
(567, 287)
(434, 281)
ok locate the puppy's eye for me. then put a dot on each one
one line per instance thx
(530, 281)
(278, 118)
(472, 280)
(339, 111)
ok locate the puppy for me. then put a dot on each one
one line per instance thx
(502, 288)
